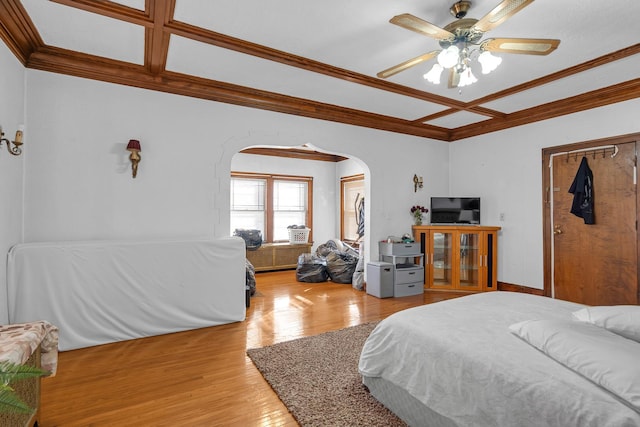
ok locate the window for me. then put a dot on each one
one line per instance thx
(270, 203)
(351, 203)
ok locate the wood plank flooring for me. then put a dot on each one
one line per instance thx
(203, 377)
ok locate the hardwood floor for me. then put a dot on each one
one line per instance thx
(203, 377)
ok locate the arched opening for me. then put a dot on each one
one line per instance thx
(324, 168)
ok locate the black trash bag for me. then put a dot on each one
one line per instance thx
(326, 248)
(251, 278)
(341, 266)
(252, 238)
(311, 269)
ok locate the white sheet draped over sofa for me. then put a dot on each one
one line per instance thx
(98, 292)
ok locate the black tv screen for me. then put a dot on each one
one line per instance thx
(455, 210)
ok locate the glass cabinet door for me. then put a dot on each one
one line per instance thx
(441, 261)
(469, 262)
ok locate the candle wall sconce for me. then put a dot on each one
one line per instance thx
(134, 148)
(15, 150)
(417, 182)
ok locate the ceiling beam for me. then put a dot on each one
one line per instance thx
(151, 19)
(242, 46)
(295, 153)
(93, 67)
(585, 101)
(17, 30)
(112, 10)
(567, 72)
(156, 44)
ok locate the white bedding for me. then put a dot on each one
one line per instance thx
(459, 358)
(98, 292)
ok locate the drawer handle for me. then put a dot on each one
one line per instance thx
(387, 269)
(413, 272)
(411, 286)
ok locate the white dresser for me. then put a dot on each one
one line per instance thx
(408, 267)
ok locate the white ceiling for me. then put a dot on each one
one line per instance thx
(356, 35)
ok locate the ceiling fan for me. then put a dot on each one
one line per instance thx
(461, 40)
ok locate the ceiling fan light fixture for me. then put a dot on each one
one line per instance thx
(489, 62)
(433, 76)
(467, 78)
(449, 56)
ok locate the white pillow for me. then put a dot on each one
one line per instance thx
(621, 319)
(607, 359)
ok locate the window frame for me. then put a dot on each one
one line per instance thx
(269, 212)
(344, 180)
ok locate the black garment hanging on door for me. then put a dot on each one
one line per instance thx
(582, 190)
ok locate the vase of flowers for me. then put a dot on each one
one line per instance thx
(417, 211)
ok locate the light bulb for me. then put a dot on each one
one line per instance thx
(467, 78)
(488, 62)
(449, 56)
(433, 76)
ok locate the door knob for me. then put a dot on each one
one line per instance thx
(557, 230)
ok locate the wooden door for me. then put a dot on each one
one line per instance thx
(596, 264)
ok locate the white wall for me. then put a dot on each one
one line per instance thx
(505, 170)
(78, 182)
(79, 185)
(324, 178)
(11, 167)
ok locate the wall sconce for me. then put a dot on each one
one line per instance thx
(15, 150)
(134, 148)
(417, 182)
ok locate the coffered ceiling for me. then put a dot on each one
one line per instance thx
(320, 59)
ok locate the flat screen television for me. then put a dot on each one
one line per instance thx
(455, 210)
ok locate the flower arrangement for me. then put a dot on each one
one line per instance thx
(416, 212)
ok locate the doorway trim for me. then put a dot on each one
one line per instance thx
(547, 154)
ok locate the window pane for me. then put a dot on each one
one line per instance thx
(247, 204)
(247, 194)
(289, 206)
(289, 195)
(281, 220)
(247, 220)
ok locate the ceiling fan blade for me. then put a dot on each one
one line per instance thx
(522, 46)
(420, 26)
(407, 64)
(454, 78)
(500, 13)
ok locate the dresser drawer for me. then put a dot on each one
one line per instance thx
(398, 249)
(406, 289)
(409, 275)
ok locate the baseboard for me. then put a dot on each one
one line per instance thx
(510, 287)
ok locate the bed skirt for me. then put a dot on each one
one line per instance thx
(404, 405)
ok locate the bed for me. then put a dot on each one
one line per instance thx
(504, 359)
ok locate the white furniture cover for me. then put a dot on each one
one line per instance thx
(98, 292)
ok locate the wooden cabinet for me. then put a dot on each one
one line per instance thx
(459, 258)
(277, 256)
